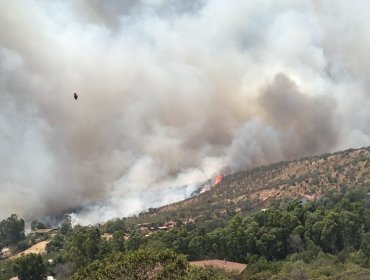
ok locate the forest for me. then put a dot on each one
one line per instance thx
(326, 238)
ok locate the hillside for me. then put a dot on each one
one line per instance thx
(328, 236)
(246, 191)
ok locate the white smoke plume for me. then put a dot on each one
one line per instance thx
(171, 92)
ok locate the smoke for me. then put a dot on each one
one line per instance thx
(290, 124)
(170, 94)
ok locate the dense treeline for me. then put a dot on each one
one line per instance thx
(331, 225)
(330, 236)
(335, 225)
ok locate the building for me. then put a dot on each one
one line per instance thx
(163, 228)
(306, 198)
(101, 224)
(45, 231)
(43, 234)
(107, 236)
(5, 253)
(239, 268)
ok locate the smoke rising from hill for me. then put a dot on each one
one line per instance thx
(170, 93)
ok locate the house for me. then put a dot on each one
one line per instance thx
(163, 228)
(5, 253)
(100, 225)
(45, 231)
(305, 198)
(239, 268)
(43, 234)
(107, 236)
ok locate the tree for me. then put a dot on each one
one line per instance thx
(270, 243)
(115, 225)
(330, 232)
(84, 245)
(65, 271)
(36, 224)
(365, 245)
(139, 265)
(6, 269)
(91, 243)
(31, 266)
(134, 242)
(196, 247)
(66, 225)
(295, 243)
(117, 244)
(11, 230)
(350, 229)
(56, 243)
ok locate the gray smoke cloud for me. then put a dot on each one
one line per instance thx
(290, 124)
(171, 93)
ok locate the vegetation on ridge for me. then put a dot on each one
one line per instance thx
(324, 237)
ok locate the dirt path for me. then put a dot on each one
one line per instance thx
(38, 248)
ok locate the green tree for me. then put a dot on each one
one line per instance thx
(350, 229)
(36, 224)
(11, 230)
(64, 271)
(365, 245)
(115, 225)
(31, 266)
(6, 269)
(139, 265)
(134, 242)
(66, 225)
(56, 243)
(84, 245)
(330, 233)
(117, 244)
(197, 247)
(270, 243)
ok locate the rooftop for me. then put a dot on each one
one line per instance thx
(45, 230)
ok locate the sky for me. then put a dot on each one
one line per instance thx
(171, 93)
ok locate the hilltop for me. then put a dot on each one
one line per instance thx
(246, 191)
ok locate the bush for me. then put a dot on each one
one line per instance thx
(22, 245)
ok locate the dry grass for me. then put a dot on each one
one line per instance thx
(258, 187)
(38, 248)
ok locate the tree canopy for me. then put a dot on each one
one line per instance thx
(30, 267)
(11, 230)
(140, 264)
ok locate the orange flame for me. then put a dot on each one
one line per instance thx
(218, 180)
